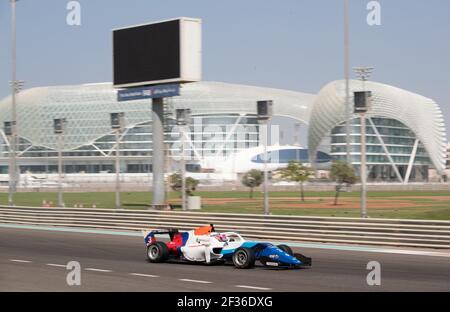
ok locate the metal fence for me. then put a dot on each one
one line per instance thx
(383, 232)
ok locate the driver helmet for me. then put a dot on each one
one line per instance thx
(221, 237)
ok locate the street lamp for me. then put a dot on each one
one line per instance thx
(265, 111)
(183, 117)
(362, 105)
(59, 127)
(117, 124)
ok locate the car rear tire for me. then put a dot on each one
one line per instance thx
(157, 252)
(286, 249)
(244, 258)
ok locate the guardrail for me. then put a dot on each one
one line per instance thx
(384, 232)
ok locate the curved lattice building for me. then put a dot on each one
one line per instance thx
(224, 123)
(405, 131)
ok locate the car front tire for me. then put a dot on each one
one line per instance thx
(244, 258)
(286, 249)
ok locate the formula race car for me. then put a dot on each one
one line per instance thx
(205, 245)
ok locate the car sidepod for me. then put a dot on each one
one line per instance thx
(229, 249)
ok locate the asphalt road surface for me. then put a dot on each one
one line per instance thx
(35, 260)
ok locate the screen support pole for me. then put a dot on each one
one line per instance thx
(158, 152)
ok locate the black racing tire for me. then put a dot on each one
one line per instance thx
(157, 252)
(244, 258)
(286, 249)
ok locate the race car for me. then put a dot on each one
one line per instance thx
(205, 245)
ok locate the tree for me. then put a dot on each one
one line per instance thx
(342, 174)
(297, 172)
(176, 184)
(252, 179)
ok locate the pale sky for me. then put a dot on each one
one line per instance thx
(290, 44)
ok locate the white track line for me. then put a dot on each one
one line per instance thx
(143, 275)
(20, 261)
(194, 281)
(98, 270)
(56, 265)
(253, 287)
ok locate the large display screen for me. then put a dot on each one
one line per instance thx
(153, 53)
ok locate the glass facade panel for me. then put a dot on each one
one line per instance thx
(210, 135)
(398, 139)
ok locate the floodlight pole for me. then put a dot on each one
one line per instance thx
(183, 169)
(117, 125)
(7, 129)
(183, 121)
(363, 167)
(266, 178)
(14, 89)
(363, 73)
(159, 196)
(11, 171)
(60, 168)
(347, 79)
(169, 169)
(59, 128)
(264, 111)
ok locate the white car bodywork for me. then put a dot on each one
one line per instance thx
(200, 248)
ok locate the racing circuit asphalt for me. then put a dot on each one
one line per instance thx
(35, 260)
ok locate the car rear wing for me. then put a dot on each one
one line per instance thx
(149, 235)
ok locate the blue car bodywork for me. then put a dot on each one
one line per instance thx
(271, 255)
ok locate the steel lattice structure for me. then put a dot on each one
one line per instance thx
(420, 114)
